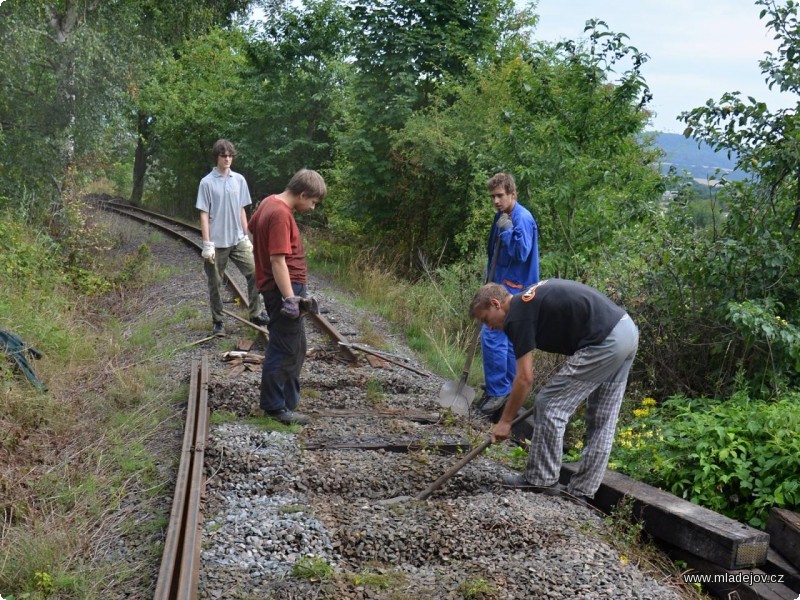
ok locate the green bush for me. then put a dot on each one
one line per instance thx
(737, 456)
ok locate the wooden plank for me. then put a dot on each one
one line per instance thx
(444, 446)
(244, 345)
(235, 371)
(783, 527)
(778, 565)
(419, 417)
(742, 584)
(376, 363)
(704, 533)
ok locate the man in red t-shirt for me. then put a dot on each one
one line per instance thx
(282, 279)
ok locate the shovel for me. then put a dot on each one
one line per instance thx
(457, 395)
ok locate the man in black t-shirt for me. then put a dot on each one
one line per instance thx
(563, 317)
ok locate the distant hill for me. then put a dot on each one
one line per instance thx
(701, 162)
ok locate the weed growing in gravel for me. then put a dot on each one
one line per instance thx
(422, 456)
(623, 526)
(312, 568)
(477, 589)
(375, 394)
(269, 424)
(221, 417)
(625, 533)
(510, 454)
(382, 581)
(309, 393)
(292, 508)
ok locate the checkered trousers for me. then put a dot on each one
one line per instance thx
(597, 375)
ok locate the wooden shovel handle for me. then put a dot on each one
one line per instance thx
(473, 344)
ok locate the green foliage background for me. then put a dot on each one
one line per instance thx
(407, 108)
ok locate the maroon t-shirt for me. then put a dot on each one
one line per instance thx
(275, 231)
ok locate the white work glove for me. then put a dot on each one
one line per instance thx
(247, 244)
(208, 252)
(504, 222)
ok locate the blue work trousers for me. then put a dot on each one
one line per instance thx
(499, 362)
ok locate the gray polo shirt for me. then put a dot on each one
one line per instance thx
(223, 199)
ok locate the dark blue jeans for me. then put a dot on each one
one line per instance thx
(283, 359)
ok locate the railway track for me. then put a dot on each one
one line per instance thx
(190, 235)
(279, 506)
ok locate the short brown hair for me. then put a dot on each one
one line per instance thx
(504, 180)
(222, 146)
(484, 296)
(310, 182)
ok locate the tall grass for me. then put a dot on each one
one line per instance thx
(78, 462)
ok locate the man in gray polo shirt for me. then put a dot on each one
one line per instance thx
(600, 339)
(221, 200)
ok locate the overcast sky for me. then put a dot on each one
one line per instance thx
(699, 49)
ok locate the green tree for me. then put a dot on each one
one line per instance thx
(404, 52)
(550, 116)
(192, 98)
(292, 93)
(749, 260)
(62, 88)
(161, 30)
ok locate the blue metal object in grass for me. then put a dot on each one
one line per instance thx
(18, 351)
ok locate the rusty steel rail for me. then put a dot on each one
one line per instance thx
(179, 574)
(171, 227)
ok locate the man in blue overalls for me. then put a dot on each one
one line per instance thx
(517, 268)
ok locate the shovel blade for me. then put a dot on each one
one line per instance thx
(457, 396)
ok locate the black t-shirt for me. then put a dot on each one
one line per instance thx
(559, 316)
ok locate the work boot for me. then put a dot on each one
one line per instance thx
(219, 328)
(289, 417)
(491, 407)
(261, 320)
(517, 481)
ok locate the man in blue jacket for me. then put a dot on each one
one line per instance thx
(514, 228)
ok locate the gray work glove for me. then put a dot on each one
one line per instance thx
(209, 253)
(295, 307)
(247, 244)
(291, 307)
(504, 223)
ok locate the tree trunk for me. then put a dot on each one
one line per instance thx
(140, 159)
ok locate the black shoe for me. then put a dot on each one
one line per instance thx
(289, 417)
(261, 320)
(518, 481)
(219, 328)
(490, 408)
(493, 404)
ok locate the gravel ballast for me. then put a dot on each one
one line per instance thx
(277, 501)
